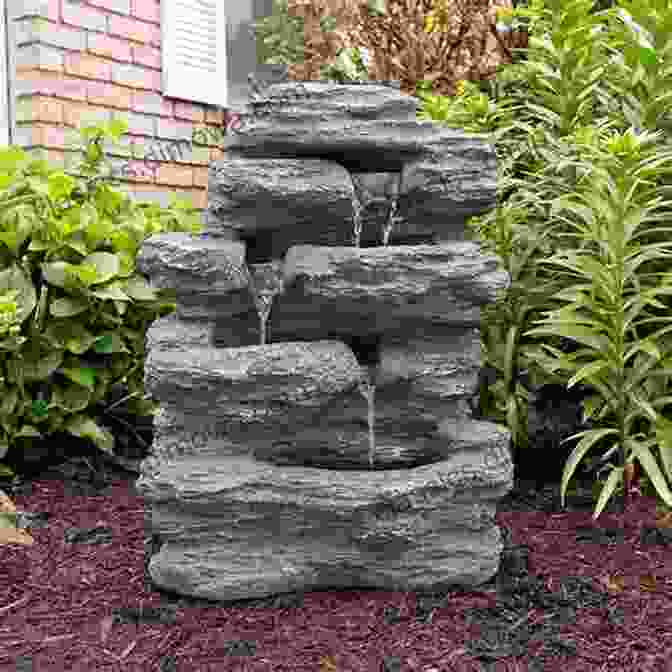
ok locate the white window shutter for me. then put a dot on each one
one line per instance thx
(193, 50)
(4, 78)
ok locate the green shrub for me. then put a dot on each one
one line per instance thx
(568, 123)
(73, 312)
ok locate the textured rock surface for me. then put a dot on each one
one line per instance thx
(331, 442)
(337, 528)
(446, 176)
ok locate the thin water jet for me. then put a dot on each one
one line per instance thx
(263, 307)
(264, 287)
(368, 391)
(389, 224)
(392, 214)
(357, 220)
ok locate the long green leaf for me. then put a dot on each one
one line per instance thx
(510, 355)
(663, 431)
(610, 485)
(650, 467)
(587, 371)
(574, 332)
(590, 438)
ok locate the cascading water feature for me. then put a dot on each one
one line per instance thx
(261, 477)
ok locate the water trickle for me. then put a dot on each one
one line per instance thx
(263, 310)
(389, 224)
(368, 391)
(265, 284)
(358, 205)
(357, 221)
(392, 215)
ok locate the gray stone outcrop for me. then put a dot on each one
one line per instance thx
(315, 429)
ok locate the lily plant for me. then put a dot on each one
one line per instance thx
(584, 75)
(607, 307)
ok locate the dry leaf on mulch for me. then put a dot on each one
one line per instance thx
(9, 533)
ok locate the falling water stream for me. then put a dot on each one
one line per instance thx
(357, 220)
(263, 305)
(391, 218)
(392, 214)
(368, 390)
(388, 226)
(265, 287)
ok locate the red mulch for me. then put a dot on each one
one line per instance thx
(57, 601)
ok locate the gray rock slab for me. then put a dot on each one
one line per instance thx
(253, 381)
(322, 100)
(419, 384)
(445, 187)
(447, 175)
(376, 289)
(294, 122)
(407, 530)
(331, 440)
(437, 360)
(172, 333)
(301, 201)
(407, 440)
(326, 290)
(196, 267)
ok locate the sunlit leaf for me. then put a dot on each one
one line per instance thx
(85, 376)
(647, 56)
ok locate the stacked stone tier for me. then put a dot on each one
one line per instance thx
(314, 426)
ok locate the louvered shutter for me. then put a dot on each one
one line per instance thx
(4, 74)
(193, 50)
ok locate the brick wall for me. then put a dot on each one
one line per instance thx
(85, 61)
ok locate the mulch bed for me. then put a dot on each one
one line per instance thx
(570, 596)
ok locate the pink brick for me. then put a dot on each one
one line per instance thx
(189, 112)
(132, 29)
(68, 87)
(55, 136)
(148, 56)
(49, 136)
(108, 94)
(147, 10)
(53, 85)
(112, 5)
(103, 45)
(82, 16)
(155, 39)
(83, 65)
(136, 139)
(151, 103)
(153, 80)
(54, 10)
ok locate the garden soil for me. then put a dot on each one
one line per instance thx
(570, 596)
